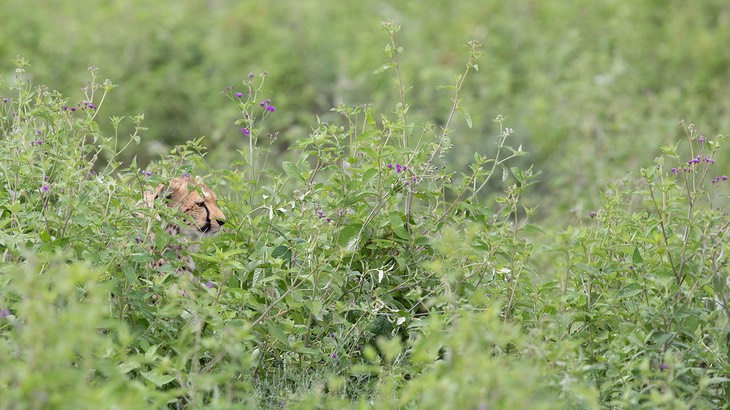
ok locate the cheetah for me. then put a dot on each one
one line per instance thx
(194, 198)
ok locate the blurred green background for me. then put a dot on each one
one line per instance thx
(590, 88)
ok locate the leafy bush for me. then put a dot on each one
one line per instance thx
(363, 272)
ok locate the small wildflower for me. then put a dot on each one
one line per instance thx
(38, 132)
(73, 108)
(46, 178)
(239, 95)
(592, 214)
(44, 188)
(92, 106)
(321, 214)
(701, 139)
(245, 131)
(4, 312)
(663, 366)
(398, 168)
(332, 335)
(270, 108)
(695, 160)
(138, 240)
(209, 285)
(675, 171)
(390, 166)
(250, 75)
(186, 175)
(709, 160)
(65, 107)
(334, 355)
(146, 173)
(5, 100)
(39, 142)
(265, 102)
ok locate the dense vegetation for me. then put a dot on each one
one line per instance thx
(384, 246)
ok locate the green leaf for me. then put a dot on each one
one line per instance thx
(531, 228)
(292, 170)
(422, 241)
(382, 68)
(126, 367)
(402, 233)
(630, 290)
(467, 117)
(316, 308)
(158, 380)
(278, 333)
(367, 135)
(398, 226)
(636, 257)
(349, 236)
(369, 174)
(282, 252)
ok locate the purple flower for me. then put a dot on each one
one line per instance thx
(44, 188)
(239, 95)
(4, 312)
(73, 108)
(334, 355)
(270, 108)
(709, 160)
(321, 214)
(592, 214)
(390, 166)
(663, 366)
(186, 175)
(209, 285)
(146, 173)
(65, 107)
(675, 171)
(5, 100)
(398, 168)
(724, 177)
(246, 131)
(39, 142)
(138, 240)
(695, 160)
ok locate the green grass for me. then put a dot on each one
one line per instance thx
(383, 245)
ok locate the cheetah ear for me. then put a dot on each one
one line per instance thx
(203, 188)
(177, 183)
(150, 196)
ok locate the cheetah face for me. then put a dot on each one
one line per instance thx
(197, 200)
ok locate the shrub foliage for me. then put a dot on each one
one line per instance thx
(362, 272)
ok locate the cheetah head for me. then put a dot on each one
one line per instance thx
(194, 198)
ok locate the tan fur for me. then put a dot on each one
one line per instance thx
(199, 202)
